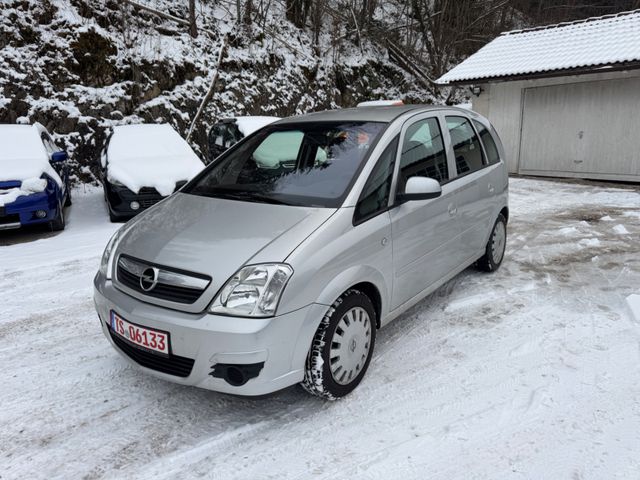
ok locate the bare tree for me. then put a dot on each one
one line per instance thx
(298, 11)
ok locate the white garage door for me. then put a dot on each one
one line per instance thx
(588, 130)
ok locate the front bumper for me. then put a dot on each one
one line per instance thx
(119, 201)
(23, 211)
(281, 342)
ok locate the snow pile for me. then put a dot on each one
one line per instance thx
(28, 186)
(23, 155)
(150, 156)
(620, 229)
(248, 125)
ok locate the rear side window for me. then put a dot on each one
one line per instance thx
(488, 142)
(375, 195)
(423, 153)
(466, 145)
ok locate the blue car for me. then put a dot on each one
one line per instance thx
(34, 178)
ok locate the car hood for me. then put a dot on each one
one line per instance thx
(160, 172)
(216, 237)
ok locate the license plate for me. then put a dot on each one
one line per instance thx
(141, 336)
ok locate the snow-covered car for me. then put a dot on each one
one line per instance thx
(141, 165)
(381, 103)
(229, 131)
(34, 179)
(278, 262)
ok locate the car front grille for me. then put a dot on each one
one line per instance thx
(173, 286)
(148, 202)
(172, 365)
(6, 219)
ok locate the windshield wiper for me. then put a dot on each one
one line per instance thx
(244, 195)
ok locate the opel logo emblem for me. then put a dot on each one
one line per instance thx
(149, 279)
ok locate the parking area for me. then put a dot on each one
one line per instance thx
(530, 372)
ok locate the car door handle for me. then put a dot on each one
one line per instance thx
(452, 210)
(491, 188)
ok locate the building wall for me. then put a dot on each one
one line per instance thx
(502, 104)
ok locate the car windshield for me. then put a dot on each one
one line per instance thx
(302, 164)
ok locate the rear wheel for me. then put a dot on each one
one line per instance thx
(67, 200)
(494, 252)
(342, 347)
(58, 223)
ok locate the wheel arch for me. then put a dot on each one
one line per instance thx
(365, 279)
(505, 213)
(371, 291)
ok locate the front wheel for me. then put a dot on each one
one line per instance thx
(494, 252)
(342, 347)
(58, 223)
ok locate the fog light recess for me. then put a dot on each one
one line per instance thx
(134, 205)
(41, 213)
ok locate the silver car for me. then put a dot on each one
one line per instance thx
(277, 264)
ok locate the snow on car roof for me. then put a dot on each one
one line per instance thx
(594, 42)
(150, 155)
(248, 125)
(23, 155)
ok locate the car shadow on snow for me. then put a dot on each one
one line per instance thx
(26, 234)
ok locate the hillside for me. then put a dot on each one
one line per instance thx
(78, 67)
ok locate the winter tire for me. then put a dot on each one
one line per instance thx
(58, 223)
(494, 252)
(342, 347)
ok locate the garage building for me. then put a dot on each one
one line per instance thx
(565, 98)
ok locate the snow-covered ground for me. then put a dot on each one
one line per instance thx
(531, 372)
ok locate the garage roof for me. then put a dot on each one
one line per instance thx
(573, 47)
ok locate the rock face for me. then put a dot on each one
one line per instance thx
(80, 67)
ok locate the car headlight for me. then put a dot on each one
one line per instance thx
(253, 291)
(106, 264)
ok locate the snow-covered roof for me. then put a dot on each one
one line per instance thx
(22, 154)
(594, 43)
(150, 155)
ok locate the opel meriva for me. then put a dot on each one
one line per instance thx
(280, 260)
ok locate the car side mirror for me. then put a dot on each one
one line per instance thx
(59, 157)
(420, 188)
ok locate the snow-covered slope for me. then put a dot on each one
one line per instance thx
(78, 67)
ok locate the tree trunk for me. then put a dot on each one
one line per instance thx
(193, 28)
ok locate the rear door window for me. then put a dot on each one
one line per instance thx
(466, 145)
(423, 153)
(489, 143)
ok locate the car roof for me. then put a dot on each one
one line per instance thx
(385, 114)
